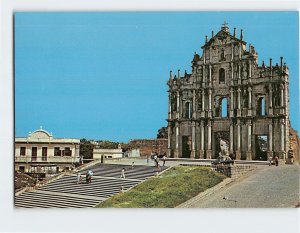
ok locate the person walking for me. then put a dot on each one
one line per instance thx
(276, 160)
(123, 173)
(270, 160)
(157, 164)
(164, 159)
(87, 177)
(79, 178)
(132, 165)
(155, 159)
(91, 174)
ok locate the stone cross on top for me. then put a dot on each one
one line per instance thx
(225, 26)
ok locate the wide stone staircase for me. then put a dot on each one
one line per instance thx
(65, 192)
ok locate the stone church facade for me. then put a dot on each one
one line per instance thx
(229, 96)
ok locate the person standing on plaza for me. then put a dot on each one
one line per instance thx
(123, 173)
(132, 165)
(157, 163)
(87, 177)
(276, 160)
(155, 160)
(164, 159)
(270, 160)
(79, 178)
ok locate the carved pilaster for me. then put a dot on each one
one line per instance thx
(209, 136)
(193, 153)
(202, 140)
(169, 140)
(249, 101)
(178, 105)
(231, 138)
(239, 103)
(176, 153)
(270, 139)
(238, 143)
(231, 102)
(249, 140)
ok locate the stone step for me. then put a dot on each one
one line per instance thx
(40, 199)
(66, 193)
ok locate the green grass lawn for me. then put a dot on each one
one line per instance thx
(170, 189)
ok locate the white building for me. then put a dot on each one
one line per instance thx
(107, 153)
(43, 154)
(134, 153)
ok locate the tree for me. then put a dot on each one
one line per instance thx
(86, 149)
(162, 132)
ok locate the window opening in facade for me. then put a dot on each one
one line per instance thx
(57, 151)
(22, 151)
(44, 153)
(224, 108)
(221, 76)
(33, 153)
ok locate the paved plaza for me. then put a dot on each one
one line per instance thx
(266, 187)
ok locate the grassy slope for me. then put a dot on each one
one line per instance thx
(168, 190)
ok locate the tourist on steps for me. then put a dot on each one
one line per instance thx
(123, 173)
(79, 178)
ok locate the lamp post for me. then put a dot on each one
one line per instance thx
(227, 199)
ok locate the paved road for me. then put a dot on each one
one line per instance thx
(266, 187)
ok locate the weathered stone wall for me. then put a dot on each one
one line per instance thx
(147, 146)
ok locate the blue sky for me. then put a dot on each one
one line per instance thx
(103, 75)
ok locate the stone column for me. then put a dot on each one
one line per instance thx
(231, 102)
(281, 95)
(203, 104)
(194, 104)
(249, 101)
(270, 100)
(250, 69)
(202, 140)
(169, 140)
(193, 154)
(232, 73)
(270, 139)
(203, 76)
(231, 138)
(209, 75)
(239, 103)
(239, 75)
(208, 151)
(176, 154)
(282, 138)
(170, 106)
(209, 102)
(249, 140)
(178, 106)
(238, 144)
(232, 52)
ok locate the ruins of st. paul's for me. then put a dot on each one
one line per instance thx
(255, 101)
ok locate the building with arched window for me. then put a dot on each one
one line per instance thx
(229, 96)
(41, 153)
